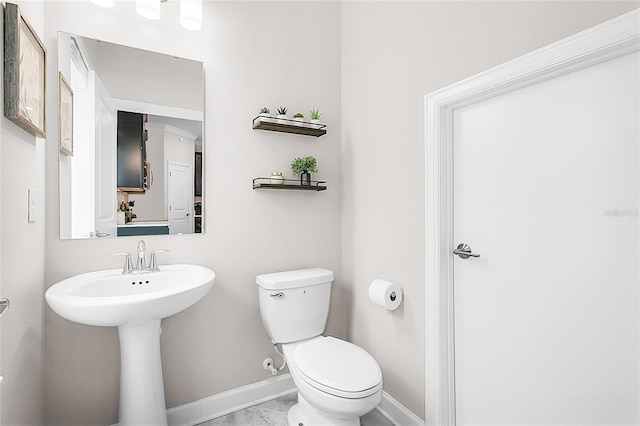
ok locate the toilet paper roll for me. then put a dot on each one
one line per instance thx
(386, 294)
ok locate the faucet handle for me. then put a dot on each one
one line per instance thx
(128, 263)
(153, 263)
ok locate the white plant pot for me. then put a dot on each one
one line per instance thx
(315, 123)
(299, 121)
(266, 118)
(282, 119)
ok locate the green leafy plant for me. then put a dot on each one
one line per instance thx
(315, 114)
(306, 164)
(282, 110)
(298, 115)
(265, 110)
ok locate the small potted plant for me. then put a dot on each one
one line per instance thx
(282, 115)
(304, 167)
(265, 114)
(299, 118)
(315, 117)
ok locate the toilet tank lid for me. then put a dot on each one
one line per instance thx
(294, 279)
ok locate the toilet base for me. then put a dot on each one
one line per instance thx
(303, 414)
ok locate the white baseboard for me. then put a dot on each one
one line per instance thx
(246, 396)
(397, 413)
(233, 400)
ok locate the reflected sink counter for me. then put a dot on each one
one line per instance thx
(109, 298)
(155, 227)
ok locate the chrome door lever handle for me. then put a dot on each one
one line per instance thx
(464, 251)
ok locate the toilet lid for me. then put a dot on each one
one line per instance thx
(338, 365)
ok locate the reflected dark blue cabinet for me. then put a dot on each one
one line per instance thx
(131, 151)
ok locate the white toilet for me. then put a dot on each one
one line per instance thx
(337, 381)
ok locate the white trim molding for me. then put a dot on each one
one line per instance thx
(156, 109)
(603, 42)
(397, 413)
(227, 402)
(224, 403)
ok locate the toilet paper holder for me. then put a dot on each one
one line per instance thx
(386, 294)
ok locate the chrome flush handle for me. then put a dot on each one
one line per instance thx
(464, 251)
(4, 305)
(279, 295)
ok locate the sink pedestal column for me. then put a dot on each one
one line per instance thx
(141, 387)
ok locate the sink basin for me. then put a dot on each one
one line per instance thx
(109, 298)
(135, 303)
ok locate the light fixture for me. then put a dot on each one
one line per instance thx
(150, 9)
(103, 3)
(190, 11)
(191, 14)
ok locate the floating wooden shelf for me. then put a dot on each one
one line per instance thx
(287, 125)
(265, 183)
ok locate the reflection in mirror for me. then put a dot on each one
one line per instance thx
(135, 166)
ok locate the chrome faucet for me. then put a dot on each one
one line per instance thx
(141, 263)
(153, 263)
(142, 256)
(128, 263)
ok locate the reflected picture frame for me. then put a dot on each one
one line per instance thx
(24, 73)
(65, 112)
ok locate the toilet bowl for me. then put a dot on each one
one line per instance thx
(337, 381)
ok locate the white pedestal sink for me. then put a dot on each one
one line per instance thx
(134, 303)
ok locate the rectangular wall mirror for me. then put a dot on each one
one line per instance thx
(131, 137)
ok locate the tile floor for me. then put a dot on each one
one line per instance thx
(274, 413)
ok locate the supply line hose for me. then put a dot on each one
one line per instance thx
(284, 361)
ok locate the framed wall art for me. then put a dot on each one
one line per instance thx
(24, 73)
(65, 109)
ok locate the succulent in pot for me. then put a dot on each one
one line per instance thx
(315, 116)
(265, 114)
(282, 115)
(299, 118)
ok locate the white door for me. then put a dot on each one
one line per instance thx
(546, 190)
(180, 198)
(106, 161)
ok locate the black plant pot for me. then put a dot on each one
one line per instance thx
(305, 178)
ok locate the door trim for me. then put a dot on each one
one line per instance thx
(601, 43)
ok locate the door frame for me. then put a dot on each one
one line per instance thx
(611, 39)
(105, 134)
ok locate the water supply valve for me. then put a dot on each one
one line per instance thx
(267, 364)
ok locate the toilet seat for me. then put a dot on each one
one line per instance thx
(337, 367)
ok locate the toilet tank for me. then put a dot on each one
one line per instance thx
(295, 304)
